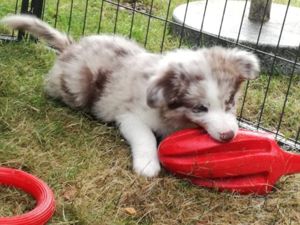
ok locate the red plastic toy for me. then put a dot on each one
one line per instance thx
(251, 163)
(45, 204)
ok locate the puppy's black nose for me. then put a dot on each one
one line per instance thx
(227, 136)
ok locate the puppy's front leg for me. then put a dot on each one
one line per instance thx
(143, 145)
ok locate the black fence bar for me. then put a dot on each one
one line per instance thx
(117, 16)
(165, 27)
(36, 8)
(183, 23)
(262, 23)
(132, 19)
(272, 67)
(199, 36)
(16, 6)
(236, 43)
(24, 9)
(241, 24)
(70, 17)
(297, 139)
(223, 15)
(44, 5)
(288, 143)
(16, 10)
(85, 15)
(256, 47)
(56, 13)
(148, 23)
(287, 92)
(100, 17)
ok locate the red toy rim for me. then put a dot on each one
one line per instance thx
(45, 203)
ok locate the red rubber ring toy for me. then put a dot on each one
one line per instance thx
(45, 203)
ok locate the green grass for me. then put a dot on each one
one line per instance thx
(274, 103)
(295, 3)
(16, 202)
(87, 163)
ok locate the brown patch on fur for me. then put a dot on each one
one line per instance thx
(68, 97)
(174, 85)
(92, 86)
(95, 85)
(121, 52)
(237, 85)
(175, 92)
(160, 84)
(101, 79)
(88, 89)
(229, 103)
(48, 36)
(173, 88)
(118, 50)
(169, 116)
(22, 27)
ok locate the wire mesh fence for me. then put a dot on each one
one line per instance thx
(270, 103)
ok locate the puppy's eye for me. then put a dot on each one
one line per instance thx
(199, 109)
(230, 103)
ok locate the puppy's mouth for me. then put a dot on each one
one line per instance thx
(222, 137)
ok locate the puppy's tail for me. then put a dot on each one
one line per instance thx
(39, 29)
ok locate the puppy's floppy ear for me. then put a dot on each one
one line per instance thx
(155, 95)
(246, 63)
(167, 89)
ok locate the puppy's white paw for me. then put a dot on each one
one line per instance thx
(146, 167)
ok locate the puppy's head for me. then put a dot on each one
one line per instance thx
(202, 87)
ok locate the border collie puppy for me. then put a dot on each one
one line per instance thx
(145, 94)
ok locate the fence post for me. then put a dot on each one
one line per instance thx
(36, 8)
(24, 10)
(260, 10)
